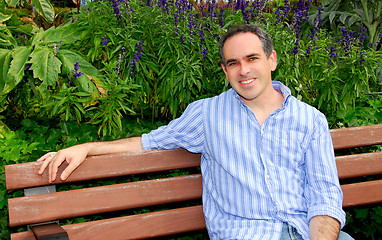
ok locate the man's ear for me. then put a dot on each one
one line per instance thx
(273, 60)
(225, 70)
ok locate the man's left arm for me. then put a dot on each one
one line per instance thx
(322, 189)
(324, 227)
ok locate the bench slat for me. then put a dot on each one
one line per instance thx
(140, 226)
(363, 193)
(359, 165)
(19, 176)
(357, 136)
(32, 209)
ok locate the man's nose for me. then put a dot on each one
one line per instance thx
(244, 68)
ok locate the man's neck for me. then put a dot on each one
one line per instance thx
(262, 107)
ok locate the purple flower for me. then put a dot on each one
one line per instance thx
(300, 16)
(362, 34)
(76, 74)
(346, 39)
(116, 6)
(332, 54)
(190, 24)
(242, 5)
(27, 67)
(281, 16)
(202, 40)
(362, 59)
(176, 17)
(308, 51)
(317, 26)
(295, 49)
(221, 17)
(136, 57)
(104, 41)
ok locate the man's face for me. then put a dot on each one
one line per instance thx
(248, 70)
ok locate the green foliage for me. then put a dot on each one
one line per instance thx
(150, 61)
(365, 222)
(115, 103)
(353, 14)
(367, 110)
(47, 58)
(43, 7)
(167, 57)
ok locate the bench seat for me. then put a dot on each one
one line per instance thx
(164, 193)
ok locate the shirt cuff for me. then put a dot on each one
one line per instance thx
(324, 210)
(146, 143)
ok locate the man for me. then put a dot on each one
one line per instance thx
(267, 158)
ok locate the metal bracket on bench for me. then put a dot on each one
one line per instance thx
(49, 231)
(39, 190)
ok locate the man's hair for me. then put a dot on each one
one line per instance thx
(266, 40)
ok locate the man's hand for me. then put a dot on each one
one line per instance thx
(324, 228)
(74, 156)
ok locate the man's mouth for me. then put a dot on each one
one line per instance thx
(247, 81)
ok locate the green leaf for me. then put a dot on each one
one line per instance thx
(12, 3)
(7, 40)
(4, 18)
(332, 15)
(343, 18)
(69, 58)
(5, 61)
(45, 9)
(67, 34)
(16, 70)
(3, 129)
(352, 20)
(361, 213)
(45, 65)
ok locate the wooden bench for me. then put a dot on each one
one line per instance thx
(123, 197)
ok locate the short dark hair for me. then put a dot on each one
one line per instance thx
(266, 40)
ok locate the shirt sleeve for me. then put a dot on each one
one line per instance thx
(184, 132)
(322, 188)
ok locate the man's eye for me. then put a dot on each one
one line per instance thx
(232, 64)
(253, 58)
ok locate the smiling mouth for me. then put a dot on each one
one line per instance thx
(247, 81)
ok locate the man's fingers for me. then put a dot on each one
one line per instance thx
(68, 170)
(43, 157)
(47, 158)
(56, 161)
(53, 161)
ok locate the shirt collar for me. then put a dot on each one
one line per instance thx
(278, 86)
(281, 88)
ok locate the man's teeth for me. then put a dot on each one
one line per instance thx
(247, 81)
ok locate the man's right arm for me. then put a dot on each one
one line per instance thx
(76, 155)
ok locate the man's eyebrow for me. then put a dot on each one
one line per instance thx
(230, 60)
(252, 55)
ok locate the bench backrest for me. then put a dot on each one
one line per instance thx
(134, 195)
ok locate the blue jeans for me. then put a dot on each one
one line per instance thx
(290, 233)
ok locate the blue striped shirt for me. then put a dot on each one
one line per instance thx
(255, 177)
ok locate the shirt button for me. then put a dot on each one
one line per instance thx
(268, 176)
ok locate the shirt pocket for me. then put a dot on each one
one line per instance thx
(286, 148)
